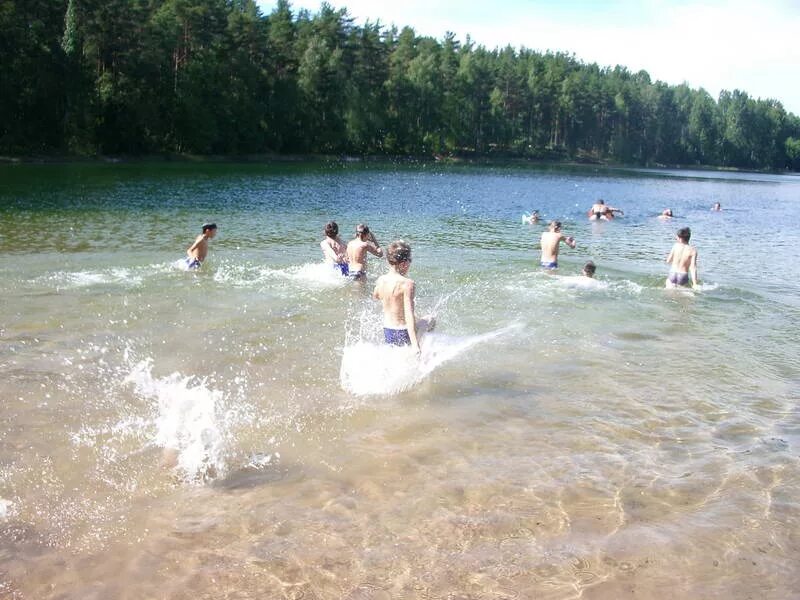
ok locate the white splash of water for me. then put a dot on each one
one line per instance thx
(370, 369)
(6, 508)
(188, 423)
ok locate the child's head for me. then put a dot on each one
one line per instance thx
(332, 229)
(362, 231)
(589, 268)
(398, 252)
(209, 229)
(555, 225)
(684, 234)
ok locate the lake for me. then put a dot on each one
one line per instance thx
(241, 432)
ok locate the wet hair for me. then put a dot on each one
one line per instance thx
(331, 229)
(361, 229)
(684, 234)
(555, 225)
(601, 201)
(398, 252)
(589, 268)
(207, 226)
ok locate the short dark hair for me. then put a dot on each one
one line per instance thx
(207, 226)
(398, 252)
(684, 234)
(361, 229)
(555, 224)
(590, 268)
(332, 229)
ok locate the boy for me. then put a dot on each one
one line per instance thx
(682, 260)
(334, 249)
(197, 252)
(588, 270)
(550, 242)
(396, 293)
(357, 249)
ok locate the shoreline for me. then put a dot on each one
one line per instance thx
(323, 159)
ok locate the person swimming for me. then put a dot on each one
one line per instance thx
(601, 211)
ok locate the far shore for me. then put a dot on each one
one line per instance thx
(476, 160)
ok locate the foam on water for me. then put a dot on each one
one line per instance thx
(374, 369)
(188, 422)
(6, 508)
(317, 275)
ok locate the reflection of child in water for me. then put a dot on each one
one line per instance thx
(396, 292)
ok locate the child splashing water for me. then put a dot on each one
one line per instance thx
(396, 292)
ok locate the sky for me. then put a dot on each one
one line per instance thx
(750, 45)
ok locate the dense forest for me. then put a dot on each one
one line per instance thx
(86, 77)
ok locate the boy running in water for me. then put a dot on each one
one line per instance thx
(357, 249)
(550, 241)
(334, 249)
(197, 252)
(682, 260)
(396, 293)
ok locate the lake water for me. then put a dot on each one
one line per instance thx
(239, 432)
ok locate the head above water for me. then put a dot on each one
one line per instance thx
(589, 268)
(684, 234)
(331, 229)
(398, 252)
(667, 212)
(209, 227)
(555, 226)
(717, 206)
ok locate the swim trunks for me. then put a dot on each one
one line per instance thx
(357, 275)
(192, 263)
(343, 267)
(550, 265)
(678, 278)
(396, 337)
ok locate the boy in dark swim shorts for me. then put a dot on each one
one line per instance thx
(682, 260)
(197, 252)
(396, 293)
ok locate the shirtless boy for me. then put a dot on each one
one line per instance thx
(334, 250)
(551, 239)
(682, 261)
(357, 249)
(396, 293)
(197, 252)
(600, 210)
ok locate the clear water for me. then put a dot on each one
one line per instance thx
(238, 432)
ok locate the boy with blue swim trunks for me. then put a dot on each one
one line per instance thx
(396, 293)
(334, 250)
(682, 260)
(197, 252)
(550, 242)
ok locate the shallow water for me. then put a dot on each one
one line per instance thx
(240, 432)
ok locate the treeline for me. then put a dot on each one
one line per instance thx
(218, 77)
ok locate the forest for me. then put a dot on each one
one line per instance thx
(218, 77)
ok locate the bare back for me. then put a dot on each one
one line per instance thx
(357, 254)
(682, 257)
(392, 289)
(550, 242)
(334, 250)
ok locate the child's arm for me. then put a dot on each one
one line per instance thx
(669, 256)
(408, 313)
(693, 269)
(569, 241)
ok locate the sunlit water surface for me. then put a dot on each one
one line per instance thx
(239, 432)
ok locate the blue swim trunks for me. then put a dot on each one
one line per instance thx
(678, 278)
(343, 267)
(550, 265)
(192, 263)
(396, 337)
(358, 275)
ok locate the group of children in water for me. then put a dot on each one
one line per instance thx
(396, 291)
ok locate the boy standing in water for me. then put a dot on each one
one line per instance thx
(682, 260)
(357, 249)
(551, 239)
(197, 252)
(334, 249)
(396, 293)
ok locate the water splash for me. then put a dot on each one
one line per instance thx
(188, 426)
(375, 369)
